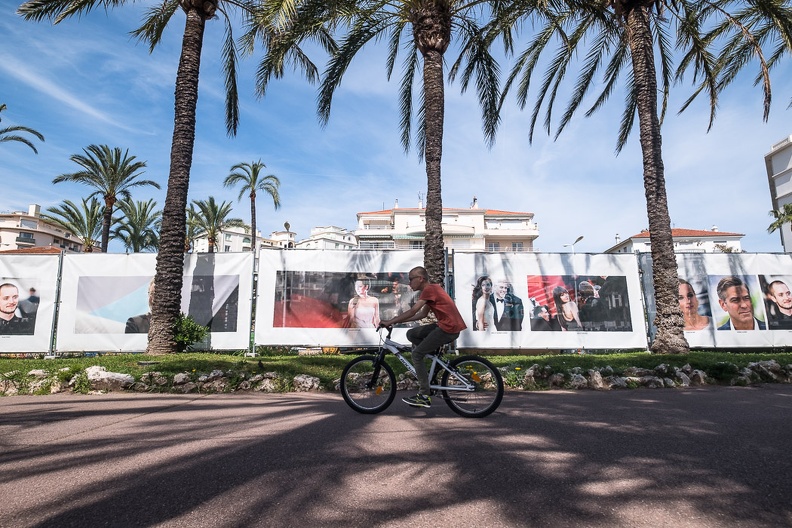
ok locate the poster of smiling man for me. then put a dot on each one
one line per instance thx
(331, 298)
(27, 301)
(106, 300)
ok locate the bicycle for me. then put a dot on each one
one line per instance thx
(470, 385)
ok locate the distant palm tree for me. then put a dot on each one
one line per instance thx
(139, 227)
(782, 217)
(11, 133)
(83, 221)
(252, 181)
(210, 219)
(112, 174)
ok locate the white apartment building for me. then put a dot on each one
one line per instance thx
(329, 237)
(685, 241)
(233, 239)
(779, 175)
(471, 229)
(25, 230)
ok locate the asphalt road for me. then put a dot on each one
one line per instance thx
(704, 457)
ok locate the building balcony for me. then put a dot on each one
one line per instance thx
(26, 241)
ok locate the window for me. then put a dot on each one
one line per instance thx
(227, 249)
(246, 240)
(493, 246)
(228, 236)
(517, 246)
(26, 235)
(416, 244)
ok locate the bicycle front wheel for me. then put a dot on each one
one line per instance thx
(365, 390)
(484, 391)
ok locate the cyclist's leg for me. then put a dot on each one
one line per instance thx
(433, 338)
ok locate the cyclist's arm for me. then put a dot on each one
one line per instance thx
(419, 310)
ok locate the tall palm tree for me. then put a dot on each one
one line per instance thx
(249, 175)
(620, 38)
(139, 227)
(170, 258)
(84, 220)
(425, 29)
(12, 133)
(210, 219)
(781, 217)
(112, 173)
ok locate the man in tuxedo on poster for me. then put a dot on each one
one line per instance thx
(509, 309)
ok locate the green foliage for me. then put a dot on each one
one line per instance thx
(82, 384)
(187, 332)
(723, 371)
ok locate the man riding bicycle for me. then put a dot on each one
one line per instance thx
(426, 339)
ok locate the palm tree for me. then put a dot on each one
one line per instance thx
(781, 217)
(170, 258)
(622, 36)
(210, 219)
(11, 133)
(139, 226)
(252, 181)
(84, 221)
(112, 174)
(424, 28)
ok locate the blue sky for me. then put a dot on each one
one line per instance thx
(86, 81)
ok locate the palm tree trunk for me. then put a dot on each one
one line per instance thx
(107, 217)
(434, 98)
(170, 259)
(670, 337)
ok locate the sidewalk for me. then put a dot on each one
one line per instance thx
(710, 457)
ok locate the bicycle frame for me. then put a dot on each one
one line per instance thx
(438, 365)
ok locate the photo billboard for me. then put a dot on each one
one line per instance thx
(28, 285)
(106, 298)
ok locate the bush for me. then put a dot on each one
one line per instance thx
(187, 332)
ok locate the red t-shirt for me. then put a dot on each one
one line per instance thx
(448, 317)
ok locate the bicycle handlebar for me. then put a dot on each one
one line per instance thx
(386, 327)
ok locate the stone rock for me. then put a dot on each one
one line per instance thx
(637, 372)
(684, 379)
(216, 385)
(259, 377)
(556, 380)
(606, 371)
(698, 377)
(181, 378)
(186, 387)
(243, 386)
(687, 369)
(663, 370)
(668, 382)
(616, 382)
(102, 380)
(38, 373)
(576, 370)
(578, 381)
(140, 387)
(212, 376)
(267, 385)
(595, 380)
(154, 378)
(306, 383)
(651, 382)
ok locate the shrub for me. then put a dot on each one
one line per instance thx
(187, 332)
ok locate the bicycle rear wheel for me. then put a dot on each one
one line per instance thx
(365, 391)
(486, 380)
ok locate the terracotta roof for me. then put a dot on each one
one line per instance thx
(35, 250)
(681, 233)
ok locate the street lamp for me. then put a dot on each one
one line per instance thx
(572, 245)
